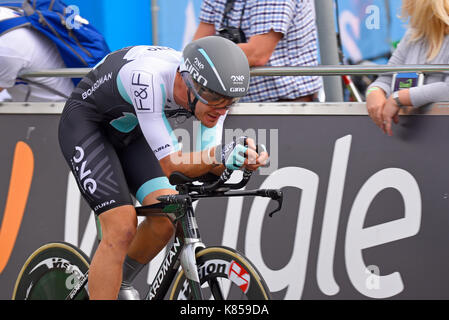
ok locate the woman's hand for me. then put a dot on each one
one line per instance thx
(390, 113)
(375, 102)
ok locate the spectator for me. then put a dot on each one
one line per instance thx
(22, 49)
(425, 42)
(273, 33)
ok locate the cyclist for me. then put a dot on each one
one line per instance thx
(115, 136)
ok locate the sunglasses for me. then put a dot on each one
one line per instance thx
(206, 96)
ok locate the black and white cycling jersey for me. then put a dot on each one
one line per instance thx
(114, 129)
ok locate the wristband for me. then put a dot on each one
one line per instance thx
(371, 90)
(396, 99)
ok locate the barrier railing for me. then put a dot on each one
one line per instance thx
(260, 109)
(330, 70)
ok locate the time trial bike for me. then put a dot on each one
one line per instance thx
(190, 269)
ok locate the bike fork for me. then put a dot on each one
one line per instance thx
(188, 262)
(188, 258)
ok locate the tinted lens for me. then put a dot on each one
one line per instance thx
(205, 95)
(213, 99)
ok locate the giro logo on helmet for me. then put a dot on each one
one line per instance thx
(195, 73)
(237, 89)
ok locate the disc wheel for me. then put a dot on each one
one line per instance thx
(51, 273)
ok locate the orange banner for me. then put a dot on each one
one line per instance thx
(19, 187)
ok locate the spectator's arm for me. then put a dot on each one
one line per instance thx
(204, 30)
(11, 66)
(260, 47)
(398, 58)
(429, 93)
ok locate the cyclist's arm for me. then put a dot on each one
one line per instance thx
(193, 164)
(203, 156)
(209, 162)
(160, 136)
(218, 170)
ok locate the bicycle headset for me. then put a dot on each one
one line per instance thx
(216, 70)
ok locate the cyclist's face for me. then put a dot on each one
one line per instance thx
(209, 115)
(211, 105)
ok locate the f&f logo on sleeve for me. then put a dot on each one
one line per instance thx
(142, 91)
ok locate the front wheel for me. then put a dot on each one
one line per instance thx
(224, 274)
(51, 272)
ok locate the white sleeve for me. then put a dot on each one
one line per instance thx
(148, 94)
(11, 64)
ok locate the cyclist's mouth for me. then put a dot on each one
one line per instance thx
(212, 117)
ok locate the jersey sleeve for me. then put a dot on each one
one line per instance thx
(148, 93)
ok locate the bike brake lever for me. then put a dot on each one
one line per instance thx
(277, 209)
(274, 194)
(278, 196)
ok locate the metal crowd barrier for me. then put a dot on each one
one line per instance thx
(244, 109)
(346, 108)
(328, 70)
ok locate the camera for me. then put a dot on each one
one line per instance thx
(234, 34)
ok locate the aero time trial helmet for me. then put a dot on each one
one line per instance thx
(216, 70)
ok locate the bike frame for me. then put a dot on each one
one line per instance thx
(182, 252)
(187, 238)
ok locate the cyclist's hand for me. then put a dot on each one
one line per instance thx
(232, 155)
(257, 156)
(241, 154)
(390, 113)
(375, 103)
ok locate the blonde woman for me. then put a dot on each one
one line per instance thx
(425, 42)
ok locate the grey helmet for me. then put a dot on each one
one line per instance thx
(216, 64)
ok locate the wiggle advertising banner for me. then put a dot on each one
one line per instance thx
(364, 214)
